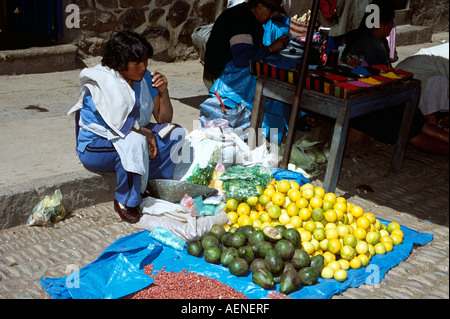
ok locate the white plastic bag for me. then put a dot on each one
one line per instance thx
(176, 219)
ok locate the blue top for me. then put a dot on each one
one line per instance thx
(142, 112)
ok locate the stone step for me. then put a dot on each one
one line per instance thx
(39, 60)
(408, 34)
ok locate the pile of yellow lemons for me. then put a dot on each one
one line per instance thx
(343, 233)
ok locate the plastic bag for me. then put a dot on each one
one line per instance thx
(176, 219)
(167, 238)
(48, 211)
(240, 182)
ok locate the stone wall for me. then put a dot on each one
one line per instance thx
(430, 13)
(167, 24)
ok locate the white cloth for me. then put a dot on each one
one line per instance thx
(112, 95)
(431, 67)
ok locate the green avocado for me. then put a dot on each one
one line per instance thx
(194, 248)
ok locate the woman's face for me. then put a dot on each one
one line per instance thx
(135, 71)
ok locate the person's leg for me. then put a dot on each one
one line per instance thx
(425, 143)
(101, 156)
(163, 165)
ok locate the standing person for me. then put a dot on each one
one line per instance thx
(384, 125)
(113, 129)
(237, 35)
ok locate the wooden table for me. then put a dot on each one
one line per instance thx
(394, 93)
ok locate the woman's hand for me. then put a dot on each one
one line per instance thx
(163, 110)
(160, 82)
(151, 141)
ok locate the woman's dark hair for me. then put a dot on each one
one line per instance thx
(124, 47)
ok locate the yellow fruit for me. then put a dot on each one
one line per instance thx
(296, 221)
(283, 186)
(233, 216)
(380, 249)
(308, 193)
(383, 233)
(350, 218)
(319, 191)
(355, 263)
(339, 213)
(324, 246)
(345, 265)
(363, 222)
(362, 247)
(371, 217)
(392, 226)
(254, 214)
(265, 224)
(317, 214)
(309, 226)
(269, 191)
(294, 195)
(335, 265)
(264, 217)
(364, 260)
(330, 216)
(330, 225)
(327, 205)
(319, 234)
(243, 209)
(396, 239)
(302, 203)
(331, 233)
(387, 239)
(334, 246)
(259, 207)
(340, 275)
(343, 230)
(306, 185)
(244, 220)
(373, 238)
(315, 202)
(341, 206)
(398, 232)
(304, 213)
(341, 199)
(308, 247)
(284, 218)
(305, 235)
(347, 252)
(357, 211)
(294, 185)
(327, 273)
(278, 198)
(257, 223)
(292, 209)
(330, 197)
(274, 211)
(389, 246)
(264, 199)
(319, 225)
(360, 233)
(232, 204)
(252, 201)
(328, 256)
(350, 240)
(316, 244)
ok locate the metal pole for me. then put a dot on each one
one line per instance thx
(300, 85)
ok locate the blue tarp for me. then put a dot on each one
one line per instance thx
(119, 270)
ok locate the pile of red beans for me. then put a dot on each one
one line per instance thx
(184, 285)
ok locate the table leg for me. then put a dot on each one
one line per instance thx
(259, 106)
(336, 150)
(402, 139)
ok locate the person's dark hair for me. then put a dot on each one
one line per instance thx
(253, 3)
(386, 9)
(124, 47)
